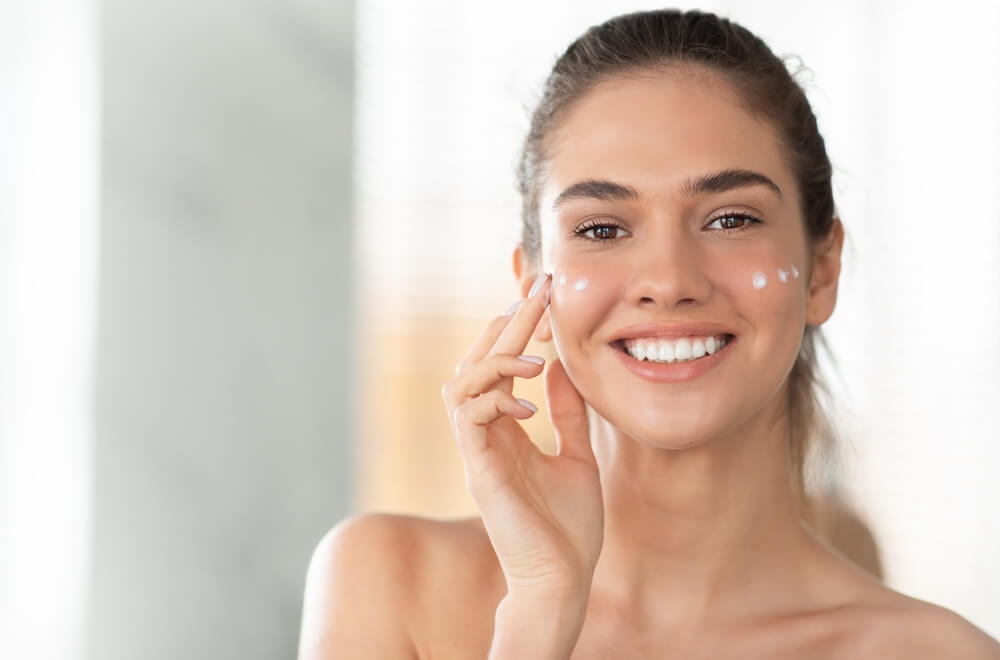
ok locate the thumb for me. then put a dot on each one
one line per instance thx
(568, 414)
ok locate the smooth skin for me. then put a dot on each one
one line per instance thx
(665, 525)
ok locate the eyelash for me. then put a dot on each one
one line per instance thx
(581, 231)
(749, 220)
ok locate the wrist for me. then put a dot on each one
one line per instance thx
(537, 628)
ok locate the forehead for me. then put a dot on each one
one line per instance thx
(652, 132)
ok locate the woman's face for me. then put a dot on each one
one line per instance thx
(636, 238)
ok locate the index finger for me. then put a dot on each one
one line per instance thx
(515, 336)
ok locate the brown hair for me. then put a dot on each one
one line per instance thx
(636, 43)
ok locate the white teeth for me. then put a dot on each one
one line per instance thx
(669, 350)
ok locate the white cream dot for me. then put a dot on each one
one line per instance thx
(562, 279)
(782, 274)
(795, 271)
(581, 284)
(759, 280)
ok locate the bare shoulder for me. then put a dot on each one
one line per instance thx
(383, 584)
(461, 585)
(938, 632)
(879, 622)
(914, 629)
(357, 589)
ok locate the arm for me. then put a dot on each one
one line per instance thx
(356, 592)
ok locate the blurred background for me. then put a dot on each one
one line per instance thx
(243, 243)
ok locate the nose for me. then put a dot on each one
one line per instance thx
(668, 272)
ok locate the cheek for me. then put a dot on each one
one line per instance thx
(763, 287)
(767, 287)
(581, 298)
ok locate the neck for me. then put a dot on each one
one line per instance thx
(700, 533)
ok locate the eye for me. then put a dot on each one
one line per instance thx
(601, 230)
(732, 221)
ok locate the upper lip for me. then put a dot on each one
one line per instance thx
(671, 330)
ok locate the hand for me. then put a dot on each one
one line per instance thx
(544, 513)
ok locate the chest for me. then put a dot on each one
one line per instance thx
(792, 642)
(459, 636)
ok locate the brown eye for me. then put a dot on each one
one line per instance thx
(735, 221)
(601, 232)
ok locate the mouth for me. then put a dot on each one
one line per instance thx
(673, 360)
(665, 350)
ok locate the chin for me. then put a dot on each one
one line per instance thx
(668, 429)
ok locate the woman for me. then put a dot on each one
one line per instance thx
(681, 250)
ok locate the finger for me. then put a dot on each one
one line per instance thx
(568, 413)
(483, 376)
(515, 336)
(484, 342)
(473, 416)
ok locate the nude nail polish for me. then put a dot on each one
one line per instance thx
(538, 284)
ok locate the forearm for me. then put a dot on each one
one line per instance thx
(536, 630)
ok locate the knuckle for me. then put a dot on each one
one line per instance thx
(493, 398)
(496, 366)
(461, 415)
(497, 361)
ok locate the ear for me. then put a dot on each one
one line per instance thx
(525, 272)
(821, 297)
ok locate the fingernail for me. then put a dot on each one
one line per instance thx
(513, 308)
(528, 404)
(539, 281)
(532, 358)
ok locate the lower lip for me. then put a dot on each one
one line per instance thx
(676, 372)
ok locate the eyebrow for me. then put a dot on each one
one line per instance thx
(713, 182)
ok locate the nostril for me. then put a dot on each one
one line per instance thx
(645, 300)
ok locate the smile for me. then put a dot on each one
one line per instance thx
(673, 360)
(660, 349)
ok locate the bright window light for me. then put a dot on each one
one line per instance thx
(48, 236)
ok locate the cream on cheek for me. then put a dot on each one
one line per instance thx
(770, 296)
(581, 293)
(759, 278)
(569, 282)
(582, 298)
(574, 287)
